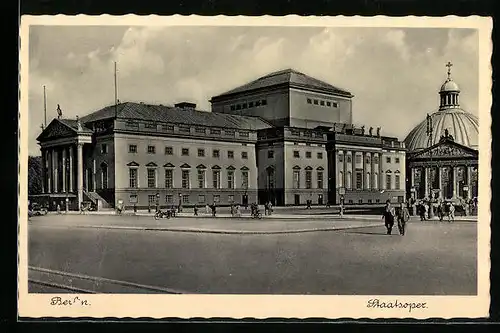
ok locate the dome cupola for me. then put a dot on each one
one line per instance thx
(449, 92)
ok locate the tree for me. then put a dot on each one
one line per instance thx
(34, 175)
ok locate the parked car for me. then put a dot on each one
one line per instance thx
(38, 210)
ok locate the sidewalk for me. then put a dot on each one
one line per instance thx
(274, 216)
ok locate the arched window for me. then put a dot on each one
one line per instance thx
(104, 175)
(348, 180)
(368, 182)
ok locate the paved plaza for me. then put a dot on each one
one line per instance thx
(350, 256)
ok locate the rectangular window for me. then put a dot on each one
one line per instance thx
(233, 108)
(152, 199)
(216, 153)
(185, 198)
(201, 178)
(216, 198)
(169, 198)
(270, 154)
(296, 179)
(335, 104)
(168, 128)
(308, 179)
(200, 130)
(238, 106)
(201, 198)
(132, 177)
(169, 178)
(341, 157)
(396, 160)
(264, 102)
(319, 175)
(185, 179)
(359, 181)
(322, 103)
(308, 134)
(388, 182)
(104, 148)
(244, 106)
(151, 150)
(348, 158)
(150, 125)
(308, 154)
(315, 102)
(132, 149)
(230, 198)
(244, 179)
(368, 160)
(185, 152)
(360, 201)
(201, 152)
(169, 150)
(396, 180)
(388, 160)
(243, 134)
(250, 104)
(257, 103)
(358, 159)
(228, 132)
(184, 129)
(151, 178)
(309, 101)
(230, 154)
(216, 178)
(320, 155)
(230, 179)
(131, 124)
(215, 131)
(244, 155)
(328, 103)
(296, 154)
(295, 132)
(370, 201)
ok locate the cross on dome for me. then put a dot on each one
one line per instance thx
(449, 65)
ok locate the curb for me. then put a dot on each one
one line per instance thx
(229, 232)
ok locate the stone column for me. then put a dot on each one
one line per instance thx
(79, 160)
(94, 171)
(54, 170)
(49, 170)
(426, 182)
(364, 174)
(344, 170)
(353, 169)
(71, 181)
(440, 182)
(372, 171)
(469, 182)
(44, 170)
(380, 176)
(64, 186)
(455, 182)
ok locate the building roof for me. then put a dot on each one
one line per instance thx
(175, 115)
(449, 85)
(462, 125)
(290, 77)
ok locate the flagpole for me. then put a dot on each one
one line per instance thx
(116, 97)
(44, 107)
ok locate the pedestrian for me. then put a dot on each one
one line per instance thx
(195, 209)
(341, 209)
(451, 212)
(266, 207)
(388, 216)
(58, 208)
(270, 208)
(440, 210)
(238, 211)
(403, 216)
(207, 209)
(214, 210)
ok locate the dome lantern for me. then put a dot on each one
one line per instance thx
(449, 92)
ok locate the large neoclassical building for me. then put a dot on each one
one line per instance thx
(442, 157)
(285, 137)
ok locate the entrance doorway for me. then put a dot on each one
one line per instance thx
(320, 199)
(297, 199)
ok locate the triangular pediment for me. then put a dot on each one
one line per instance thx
(447, 149)
(244, 168)
(201, 166)
(185, 166)
(151, 165)
(230, 167)
(55, 130)
(168, 165)
(133, 164)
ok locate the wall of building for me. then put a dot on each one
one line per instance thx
(303, 162)
(276, 108)
(142, 157)
(310, 115)
(277, 162)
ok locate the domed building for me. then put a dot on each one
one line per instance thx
(442, 158)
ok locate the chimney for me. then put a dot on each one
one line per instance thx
(185, 106)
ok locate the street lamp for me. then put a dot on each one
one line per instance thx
(180, 203)
(157, 201)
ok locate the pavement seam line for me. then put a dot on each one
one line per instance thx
(101, 279)
(61, 286)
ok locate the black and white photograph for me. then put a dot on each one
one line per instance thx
(178, 162)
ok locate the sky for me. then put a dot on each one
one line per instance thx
(394, 73)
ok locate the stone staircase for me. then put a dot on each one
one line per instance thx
(94, 196)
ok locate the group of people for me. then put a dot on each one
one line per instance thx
(400, 214)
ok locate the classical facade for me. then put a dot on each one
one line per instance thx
(286, 137)
(443, 150)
